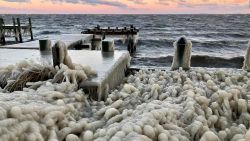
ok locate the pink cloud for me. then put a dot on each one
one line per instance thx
(124, 6)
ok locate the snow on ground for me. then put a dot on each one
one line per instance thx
(200, 104)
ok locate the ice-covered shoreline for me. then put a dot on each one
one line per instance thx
(159, 105)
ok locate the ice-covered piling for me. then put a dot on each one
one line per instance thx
(108, 45)
(45, 51)
(182, 56)
(246, 65)
(45, 45)
(132, 43)
(96, 43)
(60, 55)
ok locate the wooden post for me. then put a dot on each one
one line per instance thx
(108, 46)
(55, 56)
(19, 30)
(15, 32)
(131, 44)
(96, 43)
(103, 36)
(2, 32)
(182, 55)
(45, 45)
(30, 28)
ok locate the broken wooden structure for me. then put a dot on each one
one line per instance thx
(130, 32)
(109, 66)
(17, 29)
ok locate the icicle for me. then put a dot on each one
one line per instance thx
(246, 65)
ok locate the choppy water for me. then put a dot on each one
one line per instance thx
(213, 36)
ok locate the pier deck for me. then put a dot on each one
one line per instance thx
(110, 66)
(130, 32)
(69, 39)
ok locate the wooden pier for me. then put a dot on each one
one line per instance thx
(71, 40)
(110, 66)
(16, 29)
(131, 33)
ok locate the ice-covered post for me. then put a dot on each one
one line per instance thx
(246, 65)
(45, 51)
(182, 56)
(131, 44)
(108, 45)
(60, 55)
(96, 43)
(44, 45)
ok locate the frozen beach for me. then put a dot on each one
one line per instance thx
(220, 39)
(199, 104)
(203, 96)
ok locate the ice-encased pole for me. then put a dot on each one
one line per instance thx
(182, 56)
(246, 65)
(60, 55)
(108, 45)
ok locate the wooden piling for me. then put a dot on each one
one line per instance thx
(2, 32)
(55, 56)
(103, 36)
(131, 44)
(30, 29)
(19, 30)
(15, 32)
(45, 45)
(108, 45)
(96, 43)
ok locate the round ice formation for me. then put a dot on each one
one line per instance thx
(88, 136)
(72, 137)
(110, 113)
(199, 104)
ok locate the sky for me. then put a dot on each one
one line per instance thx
(124, 6)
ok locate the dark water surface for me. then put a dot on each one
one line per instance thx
(218, 40)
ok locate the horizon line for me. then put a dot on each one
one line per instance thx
(125, 14)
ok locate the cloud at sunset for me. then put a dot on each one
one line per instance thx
(17, 0)
(93, 2)
(125, 6)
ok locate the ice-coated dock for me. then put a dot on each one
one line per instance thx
(69, 39)
(110, 66)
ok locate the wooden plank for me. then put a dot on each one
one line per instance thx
(30, 29)
(112, 31)
(15, 30)
(69, 39)
(16, 27)
(19, 30)
(2, 33)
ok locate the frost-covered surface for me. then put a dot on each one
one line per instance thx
(199, 104)
(31, 74)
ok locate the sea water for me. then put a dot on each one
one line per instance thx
(218, 40)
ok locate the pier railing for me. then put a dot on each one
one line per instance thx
(131, 33)
(17, 29)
